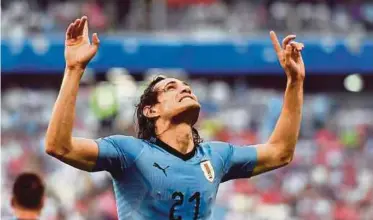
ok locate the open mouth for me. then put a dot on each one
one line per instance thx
(186, 97)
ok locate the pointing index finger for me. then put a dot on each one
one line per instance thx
(275, 42)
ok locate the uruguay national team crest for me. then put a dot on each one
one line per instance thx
(208, 170)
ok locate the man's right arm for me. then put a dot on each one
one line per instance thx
(78, 152)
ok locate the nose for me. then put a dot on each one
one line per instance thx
(186, 89)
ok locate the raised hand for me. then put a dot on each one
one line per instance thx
(78, 49)
(290, 57)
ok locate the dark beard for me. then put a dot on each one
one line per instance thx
(189, 116)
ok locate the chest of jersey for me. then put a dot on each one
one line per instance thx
(179, 189)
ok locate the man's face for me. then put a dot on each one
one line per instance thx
(175, 99)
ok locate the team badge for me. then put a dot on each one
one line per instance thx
(208, 170)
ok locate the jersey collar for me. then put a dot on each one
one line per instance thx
(175, 152)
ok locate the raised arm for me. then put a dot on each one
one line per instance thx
(279, 149)
(78, 152)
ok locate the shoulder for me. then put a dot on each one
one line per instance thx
(122, 143)
(216, 145)
(224, 149)
(120, 140)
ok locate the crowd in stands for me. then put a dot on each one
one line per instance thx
(331, 176)
(21, 17)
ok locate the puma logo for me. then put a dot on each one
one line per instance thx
(159, 167)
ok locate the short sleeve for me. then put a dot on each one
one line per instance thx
(239, 161)
(117, 152)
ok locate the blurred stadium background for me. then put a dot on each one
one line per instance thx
(222, 47)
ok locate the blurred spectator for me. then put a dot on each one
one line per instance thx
(28, 196)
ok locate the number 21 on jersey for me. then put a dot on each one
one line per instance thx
(178, 197)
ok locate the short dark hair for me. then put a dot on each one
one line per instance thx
(28, 191)
(145, 125)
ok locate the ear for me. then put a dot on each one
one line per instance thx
(150, 111)
(13, 202)
(42, 202)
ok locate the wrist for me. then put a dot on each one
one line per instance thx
(294, 82)
(74, 72)
(74, 68)
(294, 77)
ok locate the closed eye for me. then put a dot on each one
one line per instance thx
(170, 87)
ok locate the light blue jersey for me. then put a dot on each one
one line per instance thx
(154, 181)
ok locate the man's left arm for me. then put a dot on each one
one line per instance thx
(279, 149)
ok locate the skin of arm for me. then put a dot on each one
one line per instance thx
(279, 150)
(77, 152)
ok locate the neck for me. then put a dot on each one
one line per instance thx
(21, 213)
(178, 136)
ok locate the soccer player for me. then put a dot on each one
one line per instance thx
(28, 197)
(167, 172)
